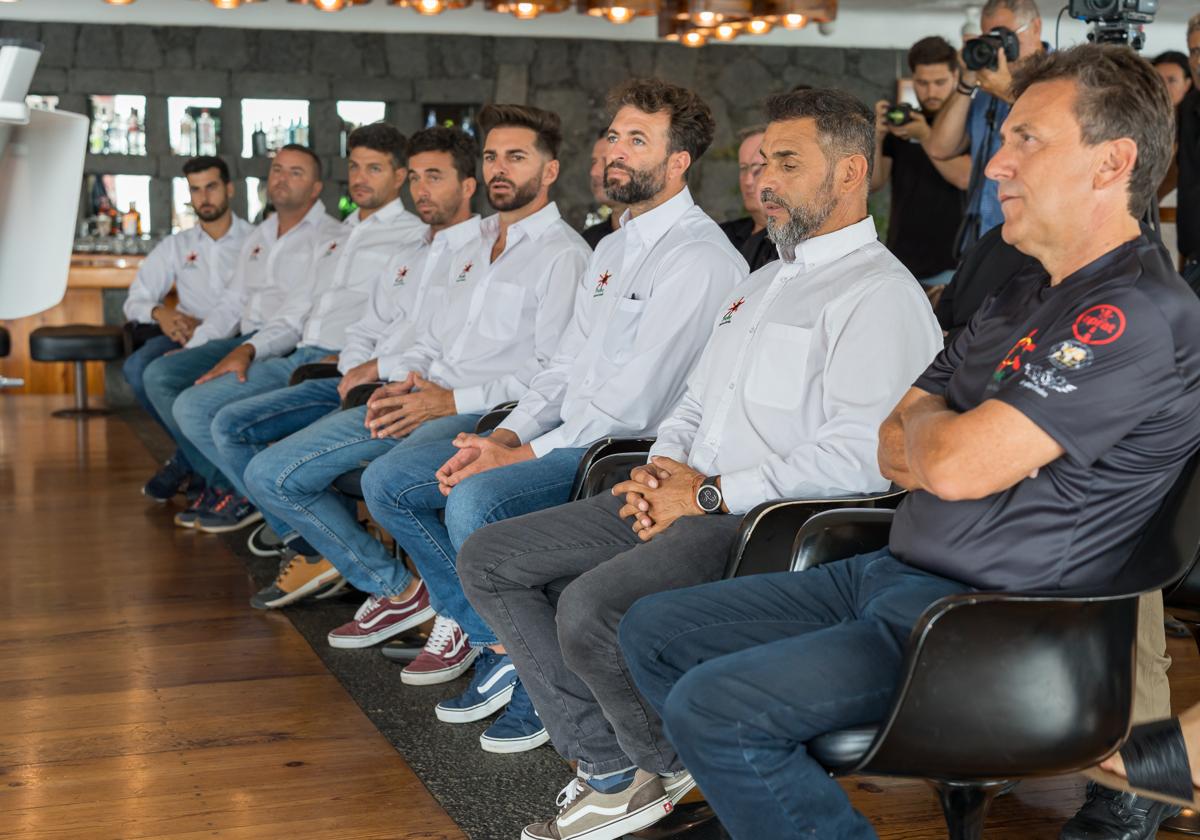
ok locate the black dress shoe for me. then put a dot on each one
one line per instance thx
(1109, 814)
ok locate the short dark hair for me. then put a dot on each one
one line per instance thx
(692, 124)
(845, 126)
(460, 146)
(544, 124)
(1118, 95)
(204, 162)
(380, 137)
(933, 50)
(1177, 58)
(305, 150)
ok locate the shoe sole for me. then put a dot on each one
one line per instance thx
(337, 588)
(355, 642)
(184, 523)
(442, 676)
(678, 794)
(156, 499)
(490, 706)
(644, 817)
(227, 529)
(515, 745)
(263, 552)
(313, 585)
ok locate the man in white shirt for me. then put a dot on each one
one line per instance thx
(198, 263)
(274, 266)
(642, 314)
(804, 362)
(494, 320)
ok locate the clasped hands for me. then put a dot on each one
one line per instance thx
(657, 494)
(396, 409)
(176, 325)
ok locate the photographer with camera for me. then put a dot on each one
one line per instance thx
(971, 118)
(926, 192)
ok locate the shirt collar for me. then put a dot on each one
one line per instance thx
(532, 226)
(386, 214)
(312, 217)
(653, 225)
(831, 246)
(457, 235)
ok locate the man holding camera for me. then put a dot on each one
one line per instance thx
(970, 120)
(926, 192)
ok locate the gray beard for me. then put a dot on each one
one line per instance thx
(803, 220)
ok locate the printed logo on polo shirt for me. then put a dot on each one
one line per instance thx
(1042, 380)
(462, 275)
(1070, 355)
(602, 284)
(255, 252)
(733, 307)
(401, 276)
(332, 247)
(1011, 363)
(191, 260)
(1101, 324)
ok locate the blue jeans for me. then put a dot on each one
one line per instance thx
(402, 494)
(134, 370)
(167, 377)
(243, 429)
(935, 280)
(745, 672)
(292, 482)
(197, 407)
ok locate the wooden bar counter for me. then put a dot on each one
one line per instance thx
(90, 277)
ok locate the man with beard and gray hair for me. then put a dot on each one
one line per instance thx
(805, 360)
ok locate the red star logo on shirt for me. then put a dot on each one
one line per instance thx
(400, 275)
(462, 275)
(734, 307)
(332, 248)
(255, 252)
(192, 257)
(602, 283)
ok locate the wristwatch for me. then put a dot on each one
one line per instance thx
(708, 497)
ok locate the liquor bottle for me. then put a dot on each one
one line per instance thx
(131, 222)
(258, 141)
(135, 140)
(206, 133)
(301, 133)
(187, 136)
(116, 142)
(99, 136)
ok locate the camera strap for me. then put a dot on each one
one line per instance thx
(969, 232)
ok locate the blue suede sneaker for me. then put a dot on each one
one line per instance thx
(490, 689)
(229, 514)
(168, 481)
(518, 729)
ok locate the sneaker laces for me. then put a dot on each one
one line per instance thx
(441, 635)
(368, 605)
(568, 795)
(224, 503)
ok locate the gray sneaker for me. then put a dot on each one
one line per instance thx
(678, 785)
(588, 814)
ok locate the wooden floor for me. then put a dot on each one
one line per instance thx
(140, 697)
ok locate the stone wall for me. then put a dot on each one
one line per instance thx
(409, 71)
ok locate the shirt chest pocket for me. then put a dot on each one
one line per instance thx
(621, 331)
(776, 369)
(501, 314)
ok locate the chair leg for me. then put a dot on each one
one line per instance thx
(965, 806)
(81, 409)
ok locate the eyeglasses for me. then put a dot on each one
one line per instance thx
(754, 169)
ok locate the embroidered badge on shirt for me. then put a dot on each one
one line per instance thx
(332, 247)
(1011, 363)
(255, 252)
(1042, 380)
(1070, 355)
(1101, 324)
(190, 260)
(734, 307)
(602, 284)
(462, 275)
(401, 275)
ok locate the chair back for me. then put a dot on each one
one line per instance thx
(841, 533)
(607, 463)
(489, 421)
(1173, 536)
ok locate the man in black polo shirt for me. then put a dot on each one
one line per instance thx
(1035, 449)
(927, 194)
(1188, 214)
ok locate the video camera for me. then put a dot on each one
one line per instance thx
(1115, 21)
(898, 114)
(984, 51)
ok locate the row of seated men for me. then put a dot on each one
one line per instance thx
(1034, 446)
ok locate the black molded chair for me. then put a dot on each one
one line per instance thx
(314, 370)
(5, 343)
(1001, 686)
(78, 344)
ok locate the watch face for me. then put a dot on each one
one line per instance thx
(709, 498)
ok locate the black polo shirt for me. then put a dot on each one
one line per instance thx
(927, 210)
(1188, 214)
(593, 234)
(756, 248)
(1108, 364)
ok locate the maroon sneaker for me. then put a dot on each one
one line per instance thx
(446, 655)
(381, 618)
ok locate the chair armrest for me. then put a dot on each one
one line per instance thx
(766, 539)
(608, 462)
(837, 534)
(494, 418)
(315, 370)
(359, 394)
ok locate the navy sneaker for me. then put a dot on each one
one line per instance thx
(491, 688)
(264, 542)
(203, 503)
(167, 482)
(518, 729)
(229, 514)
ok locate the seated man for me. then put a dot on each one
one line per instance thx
(199, 263)
(243, 403)
(273, 267)
(805, 360)
(495, 317)
(1036, 448)
(643, 311)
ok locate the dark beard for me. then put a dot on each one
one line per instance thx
(643, 184)
(520, 196)
(213, 215)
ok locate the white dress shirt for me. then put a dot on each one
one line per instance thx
(198, 266)
(499, 322)
(397, 304)
(642, 315)
(806, 360)
(272, 270)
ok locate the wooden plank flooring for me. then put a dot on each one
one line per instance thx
(141, 699)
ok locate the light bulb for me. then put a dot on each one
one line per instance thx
(430, 7)
(329, 5)
(706, 18)
(227, 4)
(725, 32)
(693, 39)
(526, 11)
(618, 14)
(794, 21)
(109, 2)
(758, 26)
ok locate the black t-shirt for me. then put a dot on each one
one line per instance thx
(755, 247)
(1188, 214)
(593, 234)
(986, 267)
(1108, 364)
(926, 210)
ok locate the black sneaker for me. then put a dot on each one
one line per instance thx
(264, 542)
(1109, 814)
(167, 482)
(229, 514)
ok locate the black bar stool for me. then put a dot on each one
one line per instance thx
(78, 343)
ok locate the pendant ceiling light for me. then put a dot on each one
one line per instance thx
(709, 13)
(431, 7)
(109, 2)
(619, 11)
(329, 5)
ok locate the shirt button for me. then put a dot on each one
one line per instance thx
(730, 386)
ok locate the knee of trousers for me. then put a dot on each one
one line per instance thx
(182, 411)
(466, 511)
(687, 713)
(227, 426)
(154, 375)
(262, 475)
(587, 620)
(476, 558)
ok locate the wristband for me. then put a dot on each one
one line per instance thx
(967, 90)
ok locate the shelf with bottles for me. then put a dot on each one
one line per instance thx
(115, 214)
(118, 125)
(451, 116)
(270, 124)
(355, 113)
(194, 125)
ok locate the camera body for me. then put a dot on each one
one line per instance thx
(984, 52)
(899, 113)
(1115, 21)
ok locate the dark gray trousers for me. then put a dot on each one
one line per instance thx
(554, 585)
